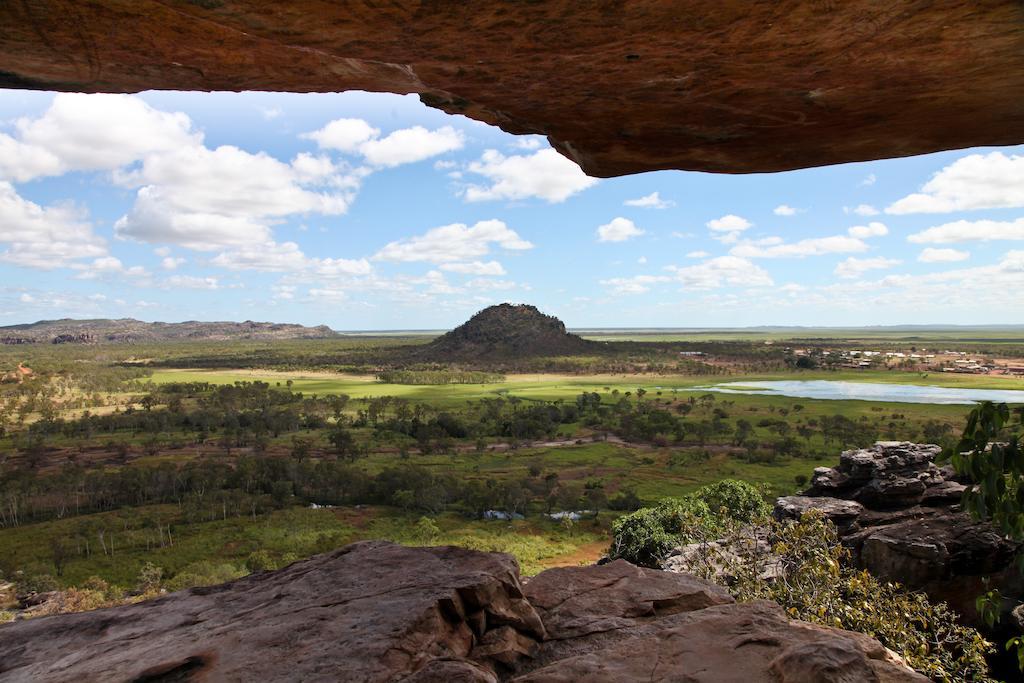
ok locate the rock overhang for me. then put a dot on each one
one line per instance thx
(620, 87)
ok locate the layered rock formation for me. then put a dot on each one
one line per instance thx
(375, 611)
(619, 87)
(899, 514)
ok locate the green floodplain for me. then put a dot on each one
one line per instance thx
(415, 463)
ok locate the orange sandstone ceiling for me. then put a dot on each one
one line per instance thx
(620, 86)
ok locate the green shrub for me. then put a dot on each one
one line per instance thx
(150, 577)
(203, 573)
(35, 578)
(260, 561)
(742, 502)
(646, 536)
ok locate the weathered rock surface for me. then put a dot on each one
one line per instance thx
(371, 611)
(899, 514)
(620, 87)
(375, 611)
(751, 642)
(579, 601)
(723, 555)
(842, 513)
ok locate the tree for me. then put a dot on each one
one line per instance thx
(61, 550)
(150, 577)
(301, 447)
(990, 454)
(426, 530)
(344, 443)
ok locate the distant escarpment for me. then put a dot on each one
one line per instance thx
(128, 331)
(507, 331)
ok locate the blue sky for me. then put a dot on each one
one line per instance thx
(372, 211)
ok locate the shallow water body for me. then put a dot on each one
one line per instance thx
(869, 391)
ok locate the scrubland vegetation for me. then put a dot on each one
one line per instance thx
(133, 469)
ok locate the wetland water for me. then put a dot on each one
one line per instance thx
(868, 391)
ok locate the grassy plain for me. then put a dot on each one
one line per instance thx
(287, 535)
(310, 367)
(550, 387)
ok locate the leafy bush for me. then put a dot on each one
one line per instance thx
(204, 573)
(646, 536)
(742, 502)
(150, 577)
(807, 573)
(35, 578)
(260, 561)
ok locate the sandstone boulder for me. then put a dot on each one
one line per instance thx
(578, 601)
(750, 643)
(375, 611)
(842, 513)
(370, 611)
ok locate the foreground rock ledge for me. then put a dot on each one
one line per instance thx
(620, 87)
(375, 611)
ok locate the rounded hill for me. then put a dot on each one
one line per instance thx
(507, 331)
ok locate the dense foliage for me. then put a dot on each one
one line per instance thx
(439, 377)
(990, 453)
(646, 536)
(803, 567)
(813, 581)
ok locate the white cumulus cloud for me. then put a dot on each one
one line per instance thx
(618, 230)
(454, 243)
(976, 181)
(817, 246)
(410, 145)
(872, 229)
(475, 268)
(651, 201)
(862, 210)
(44, 237)
(343, 135)
(638, 284)
(728, 228)
(206, 199)
(545, 174)
(970, 231)
(722, 271)
(287, 257)
(403, 146)
(852, 267)
(86, 132)
(933, 255)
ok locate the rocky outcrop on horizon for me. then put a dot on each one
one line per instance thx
(899, 513)
(376, 611)
(129, 331)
